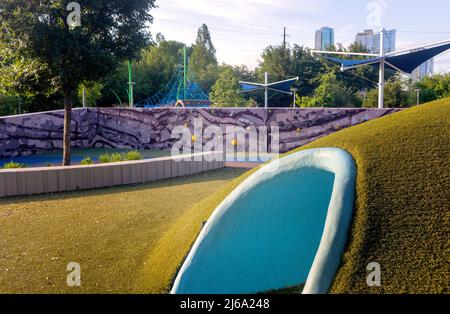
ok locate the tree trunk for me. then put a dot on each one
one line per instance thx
(67, 126)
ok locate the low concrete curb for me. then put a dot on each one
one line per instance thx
(17, 182)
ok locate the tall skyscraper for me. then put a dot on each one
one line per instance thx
(318, 40)
(390, 38)
(371, 41)
(426, 69)
(324, 38)
(365, 39)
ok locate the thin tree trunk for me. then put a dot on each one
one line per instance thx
(67, 126)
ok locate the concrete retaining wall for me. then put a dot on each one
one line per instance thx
(16, 182)
(152, 128)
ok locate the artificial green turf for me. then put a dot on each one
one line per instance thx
(109, 232)
(401, 216)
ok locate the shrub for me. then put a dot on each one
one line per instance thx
(133, 155)
(116, 157)
(13, 165)
(87, 161)
(104, 158)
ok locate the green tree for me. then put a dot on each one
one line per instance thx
(203, 66)
(24, 78)
(225, 92)
(397, 94)
(93, 93)
(330, 93)
(277, 61)
(283, 62)
(434, 87)
(151, 72)
(110, 31)
(8, 105)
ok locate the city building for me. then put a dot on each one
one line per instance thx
(390, 37)
(365, 39)
(318, 40)
(324, 38)
(426, 69)
(371, 41)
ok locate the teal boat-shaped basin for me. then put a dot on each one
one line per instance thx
(283, 226)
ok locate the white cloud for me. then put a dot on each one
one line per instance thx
(250, 13)
(242, 29)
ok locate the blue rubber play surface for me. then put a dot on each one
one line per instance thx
(77, 155)
(43, 160)
(284, 226)
(280, 221)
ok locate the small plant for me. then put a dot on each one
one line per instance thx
(116, 157)
(104, 158)
(87, 161)
(133, 155)
(13, 165)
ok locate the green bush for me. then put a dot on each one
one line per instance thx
(87, 161)
(8, 105)
(13, 165)
(133, 155)
(116, 157)
(104, 158)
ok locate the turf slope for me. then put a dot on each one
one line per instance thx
(401, 213)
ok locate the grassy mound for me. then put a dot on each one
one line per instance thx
(401, 214)
(109, 232)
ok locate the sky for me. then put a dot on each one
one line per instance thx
(241, 29)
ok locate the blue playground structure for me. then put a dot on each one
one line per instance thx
(180, 91)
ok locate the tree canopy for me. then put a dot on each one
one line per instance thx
(203, 66)
(63, 54)
(33, 70)
(225, 92)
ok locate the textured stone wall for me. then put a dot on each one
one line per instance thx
(152, 128)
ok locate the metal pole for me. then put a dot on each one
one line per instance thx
(84, 97)
(20, 105)
(266, 91)
(418, 97)
(184, 71)
(382, 72)
(294, 93)
(130, 83)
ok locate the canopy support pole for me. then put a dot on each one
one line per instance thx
(382, 72)
(280, 87)
(266, 90)
(130, 84)
(184, 72)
